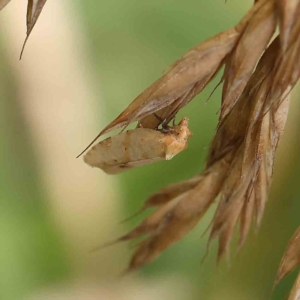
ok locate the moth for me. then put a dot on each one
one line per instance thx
(138, 147)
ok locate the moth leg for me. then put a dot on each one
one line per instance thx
(160, 119)
(165, 125)
(171, 117)
(174, 120)
(166, 128)
(162, 122)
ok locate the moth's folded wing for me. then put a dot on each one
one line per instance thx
(127, 150)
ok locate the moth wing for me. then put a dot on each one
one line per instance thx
(127, 150)
(112, 170)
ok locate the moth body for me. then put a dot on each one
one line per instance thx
(138, 147)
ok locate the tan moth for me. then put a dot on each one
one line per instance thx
(138, 147)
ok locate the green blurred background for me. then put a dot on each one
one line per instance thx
(86, 60)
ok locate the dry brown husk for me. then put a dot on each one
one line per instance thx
(243, 59)
(291, 257)
(34, 9)
(3, 3)
(295, 292)
(286, 75)
(289, 262)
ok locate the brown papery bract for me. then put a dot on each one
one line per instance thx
(166, 194)
(3, 3)
(287, 10)
(178, 217)
(291, 257)
(243, 59)
(289, 262)
(255, 135)
(34, 9)
(287, 67)
(295, 292)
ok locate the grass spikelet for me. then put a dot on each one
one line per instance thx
(167, 194)
(295, 292)
(256, 139)
(289, 262)
(291, 257)
(178, 217)
(260, 71)
(3, 3)
(288, 10)
(243, 59)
